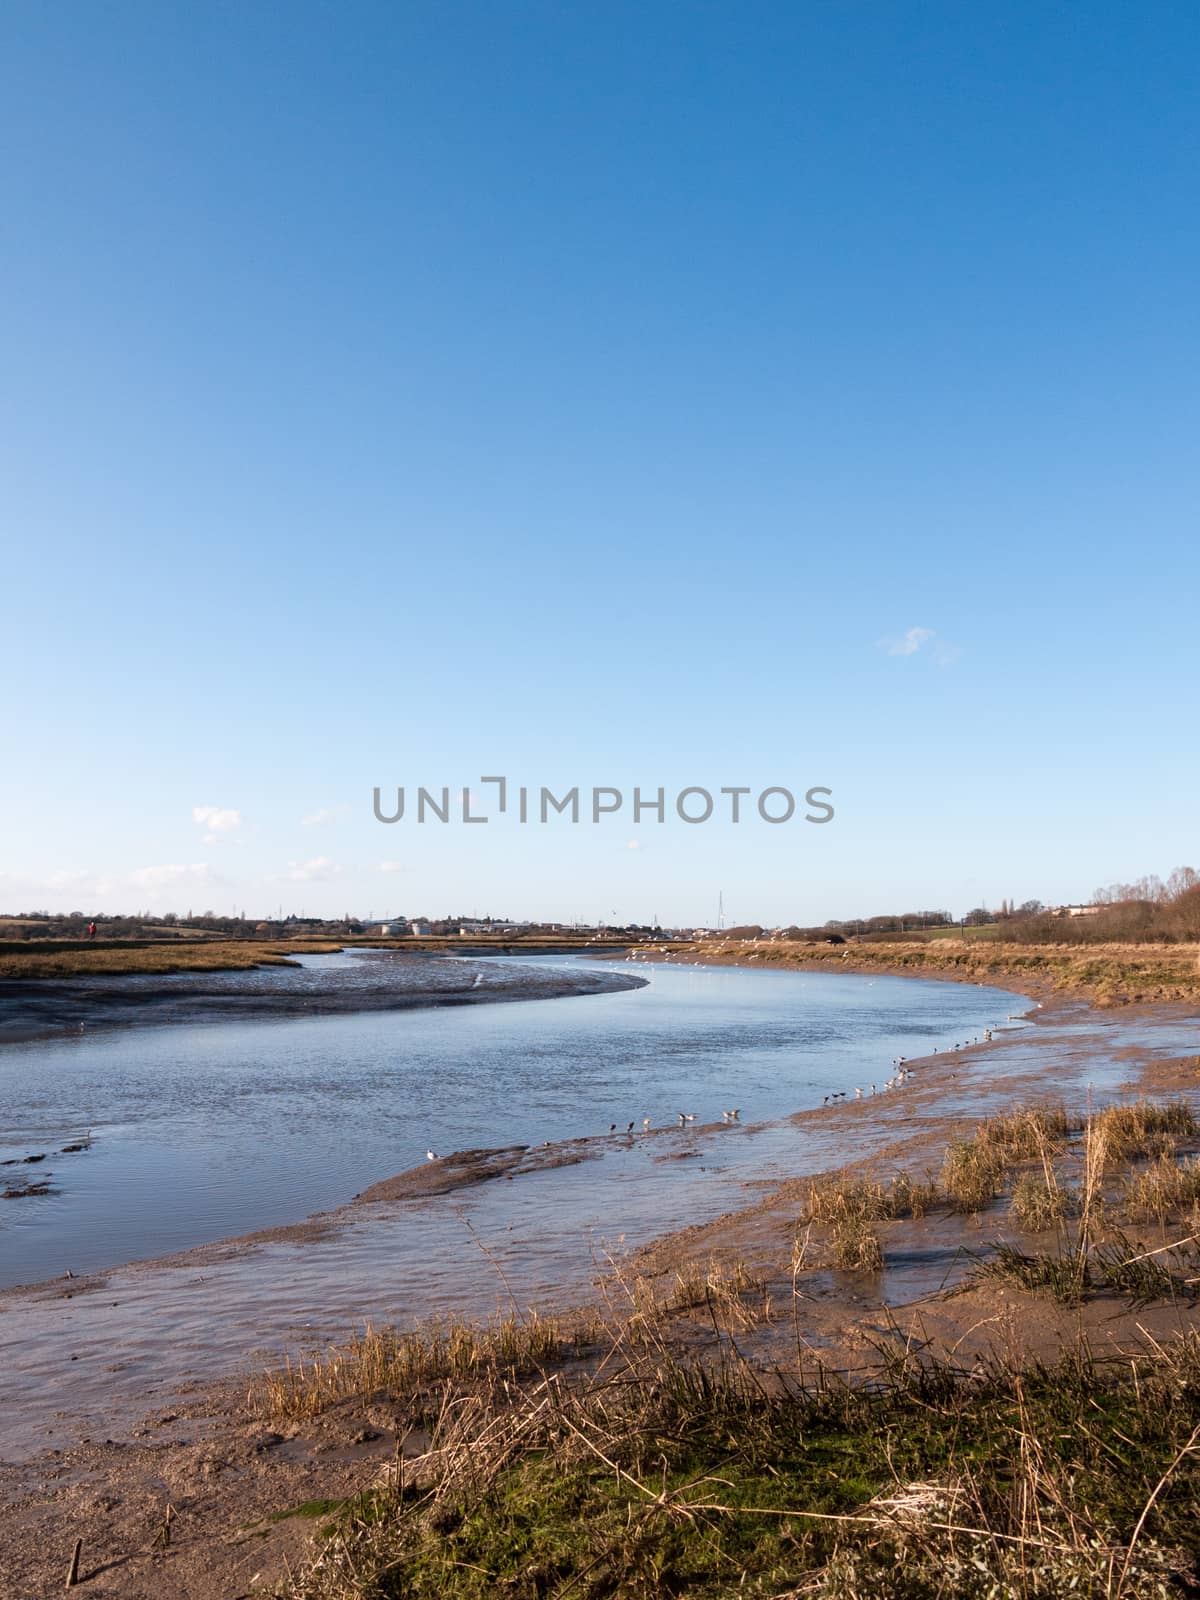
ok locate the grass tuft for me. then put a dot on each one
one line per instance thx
(1040, 1202)
(382, 1362)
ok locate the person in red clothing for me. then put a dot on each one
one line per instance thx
(91, 930)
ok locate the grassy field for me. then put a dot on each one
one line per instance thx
(1108, 974)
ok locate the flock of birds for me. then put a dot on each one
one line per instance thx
(731, 1118)
(903, 1073)
(898, 1079)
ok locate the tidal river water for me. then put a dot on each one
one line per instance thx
(203, 1131)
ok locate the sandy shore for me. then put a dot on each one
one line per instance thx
(231, 1478)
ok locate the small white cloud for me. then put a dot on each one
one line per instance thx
(633, 844)
(390, 866)
(220, 821)
(165, 877)
(908, 643)
(325, 814)
(71, 878)
(314, 871)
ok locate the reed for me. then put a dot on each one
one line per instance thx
(1165, 1188)
(382, 1362)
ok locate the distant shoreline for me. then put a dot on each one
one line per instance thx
(49, 1008)
(1106, 975)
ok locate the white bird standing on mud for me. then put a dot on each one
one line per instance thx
(431, 1155)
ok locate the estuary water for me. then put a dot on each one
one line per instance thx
(201, 1132)
(197, 1131)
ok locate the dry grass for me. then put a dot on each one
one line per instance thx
(856, 1246)
(382, 1362)
(654, 1475)
(214, 955)
(722, 1285)
(1040, 1203)
(1095, 1252)
(1167, 1187)
(850, 1207)
(1144, 1128)
(837, 1197)
(1027, 1133)
(972, 1175)
(975, 1170)
(1109, 974)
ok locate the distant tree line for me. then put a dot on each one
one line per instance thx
(1148, 911)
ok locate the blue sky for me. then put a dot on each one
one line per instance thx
(597, 395)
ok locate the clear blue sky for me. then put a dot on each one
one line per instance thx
(597, 394)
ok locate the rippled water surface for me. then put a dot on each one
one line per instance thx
(202, 1131)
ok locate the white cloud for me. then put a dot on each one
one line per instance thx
(220, 821)
(73, 888)
(633, 844)
(390, 866)
(917, 639)
(74, 878)
(908, 643)
(318, 818)
(197, 874)
(314, 871)
(79, 882)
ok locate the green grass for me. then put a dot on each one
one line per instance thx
(673, 1479)
(310, 1509)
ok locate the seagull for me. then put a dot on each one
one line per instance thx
(612, 1127)
(629, 1129)
(858, 1093)
(682, 1120)
(645, 1124)
(431, 1155)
